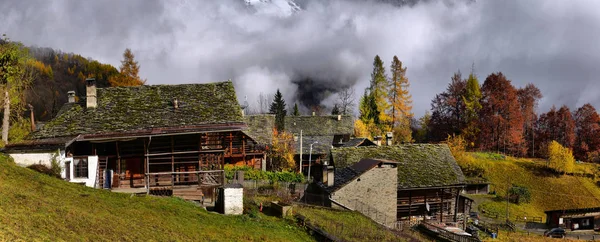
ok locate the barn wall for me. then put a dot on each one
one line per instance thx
(376, 188)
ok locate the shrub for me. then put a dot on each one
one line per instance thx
(519, 194)
(560, 159)
(55, 165)
(252, 174)
(43, 169)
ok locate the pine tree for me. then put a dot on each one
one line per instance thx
(296, 112)
(472, 101)
(278, 108)
(335, 110)
(129, 72)
(401, 102)
(379, 92)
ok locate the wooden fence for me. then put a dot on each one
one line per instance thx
(447, 235)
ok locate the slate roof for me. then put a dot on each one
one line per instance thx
(420, 165)
(132, 109)
(319, 125)
(318, 128)
(356, 142)
(260, 128)
(345, 175)
(322, 146)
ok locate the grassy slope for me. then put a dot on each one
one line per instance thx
(548, 191)
(38, 207)
(351, 226)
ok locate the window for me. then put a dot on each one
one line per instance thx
(80, 167)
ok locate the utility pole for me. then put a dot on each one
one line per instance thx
(507, 196)
(300, 170)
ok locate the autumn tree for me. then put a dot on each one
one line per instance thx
(281, 152)
(278, 108)
(587, 130)
(16, 73)
(401, 103)
(369, 114)
(422, 133)
(379, 90)
(472, 102)
(448, 109)
(560, 159)
(361, 129)
(129, 72)
(529, 97)
(500, 117)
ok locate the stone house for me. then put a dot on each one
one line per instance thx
(429, 180)
(148, 137)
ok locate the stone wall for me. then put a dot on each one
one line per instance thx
(376, 189)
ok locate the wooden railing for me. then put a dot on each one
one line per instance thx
(213, 178)
(448, 235)
(525, 218)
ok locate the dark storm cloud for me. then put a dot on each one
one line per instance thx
(552, 44)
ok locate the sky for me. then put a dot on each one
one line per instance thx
(265, 45)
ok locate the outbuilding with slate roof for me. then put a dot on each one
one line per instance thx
(428, 178)
(150, 137)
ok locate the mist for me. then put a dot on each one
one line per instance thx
(279, 44)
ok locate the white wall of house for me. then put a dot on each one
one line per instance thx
(234, 201)
(30, 158)
(92, 171)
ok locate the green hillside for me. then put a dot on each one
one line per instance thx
(548, 190)
(34, 206)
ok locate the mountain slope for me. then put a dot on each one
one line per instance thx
(34, 206)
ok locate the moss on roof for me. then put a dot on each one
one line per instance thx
(319, 125)
(260, 127)
(124, 109)
(420, 165)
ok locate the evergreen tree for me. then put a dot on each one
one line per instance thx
(129, 72)
(296, 112)
(379, 91)
(278, 108)
(335, 110)
(472, 101)
(401, 103)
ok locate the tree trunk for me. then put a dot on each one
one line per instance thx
(5, 121)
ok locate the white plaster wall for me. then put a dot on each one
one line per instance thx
(92, 171)
(26, 159)
(234, 200)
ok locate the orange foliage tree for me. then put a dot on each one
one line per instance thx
(129, 72)
(282, 150)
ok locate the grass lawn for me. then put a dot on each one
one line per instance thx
(352, 226)
(548, 190)
(34, 206)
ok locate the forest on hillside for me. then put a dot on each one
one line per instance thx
(36, 80)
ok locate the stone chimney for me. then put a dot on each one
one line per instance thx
(313, 113)
(388, 138)
(71, 95)
(339, 117)
(90, 91)
(328, 175)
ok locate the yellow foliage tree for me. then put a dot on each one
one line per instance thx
(282, 151)
(129, 69)
(560, 158)
(361, 129)
(401, 103)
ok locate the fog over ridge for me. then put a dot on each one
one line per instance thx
(263, 45)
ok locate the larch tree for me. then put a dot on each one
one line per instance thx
(379, 91)
(278, 108)
(587, 130)
(500, 117)
(448, 110)
(401, 103)
(16, 73)
(472, 101)
(129, 72)
(529, 97)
